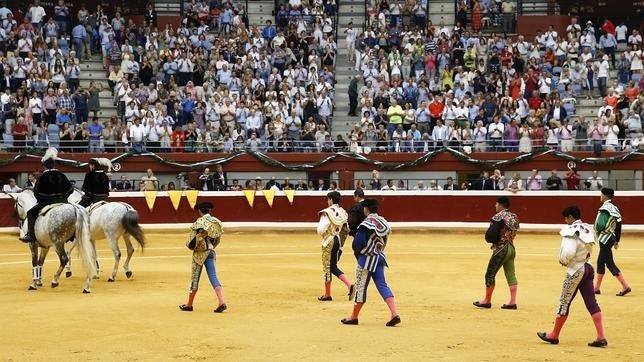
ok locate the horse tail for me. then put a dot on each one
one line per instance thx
(130, 222)
(83, 239)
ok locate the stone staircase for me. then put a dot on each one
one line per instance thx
(259, 11)
(349, 11)
(442, 10)
(92, 70)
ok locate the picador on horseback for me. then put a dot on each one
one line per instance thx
(52, 187)
(96, 185)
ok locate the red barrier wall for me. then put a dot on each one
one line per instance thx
(407, 206)
(528, 25)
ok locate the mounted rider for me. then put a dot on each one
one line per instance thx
(96, 184)
(52, 187)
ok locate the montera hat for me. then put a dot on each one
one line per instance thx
(204, 205)
(608, 192)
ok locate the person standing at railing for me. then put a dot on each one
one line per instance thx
(507, 8)
(20, 133)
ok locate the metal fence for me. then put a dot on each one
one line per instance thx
(289, 145)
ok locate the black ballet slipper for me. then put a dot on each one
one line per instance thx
(598, 343)
(509, 306)
(221, 308)
(353, 322)
(186, 308)
(325, 298)
(544, 337)
(393, 322)
(598, 292)
(623, 292)
(482, 305)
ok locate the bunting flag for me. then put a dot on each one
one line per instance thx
(269, 195)
(150, 197)
(290, 195)
(175, 198)
(191, 195)
(250, 196)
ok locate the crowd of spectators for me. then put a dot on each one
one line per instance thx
(423, 88)
(490, 181)
(213, 84)
(207, 84)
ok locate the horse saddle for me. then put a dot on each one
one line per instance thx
(48, 208)
(95, 206)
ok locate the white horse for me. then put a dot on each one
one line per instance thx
(63, 222)
(111, 221)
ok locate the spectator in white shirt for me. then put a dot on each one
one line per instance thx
(534, 182)
(11, 187)
(595, 181)
(137, 135)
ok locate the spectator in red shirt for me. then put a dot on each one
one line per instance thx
(531, 80)
(535, 100)
(608, 26)
(178, 139)
(435, 111)
(572, 179)
(20, 134)
(506, 57)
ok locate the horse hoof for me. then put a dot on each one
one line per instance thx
(111, 280)
(31, 287)
(128, 274)
(85, 291)
(68, 274)
(54, 285)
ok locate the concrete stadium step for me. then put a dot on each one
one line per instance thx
(260, 6)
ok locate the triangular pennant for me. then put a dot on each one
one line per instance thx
(269, 195)
(150, 197)
(290, 195)
(250, 196)
(191, 195)
(175, 198)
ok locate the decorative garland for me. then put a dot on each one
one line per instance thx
(383, 166)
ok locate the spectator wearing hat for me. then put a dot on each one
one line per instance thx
(205, 236)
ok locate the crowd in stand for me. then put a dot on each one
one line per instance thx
(421, 88)
(213, 84)
(208, 84)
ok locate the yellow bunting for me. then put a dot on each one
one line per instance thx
(290, 195)
(175, 198)
(150, 197)
(269, 195)
(250, 196)
(191, 195)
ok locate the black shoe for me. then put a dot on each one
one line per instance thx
(598, 291)
(509, 306)
(598, 343)
(28, 238)
(482, 305)
(353, 322)
(352, 291)
(544, 337)
(624, 292)
(185, 308)
(325, 298)
(221, 308)
(392, 323)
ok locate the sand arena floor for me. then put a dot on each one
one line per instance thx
(271, 283)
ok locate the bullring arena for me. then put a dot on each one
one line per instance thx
(271, 279)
